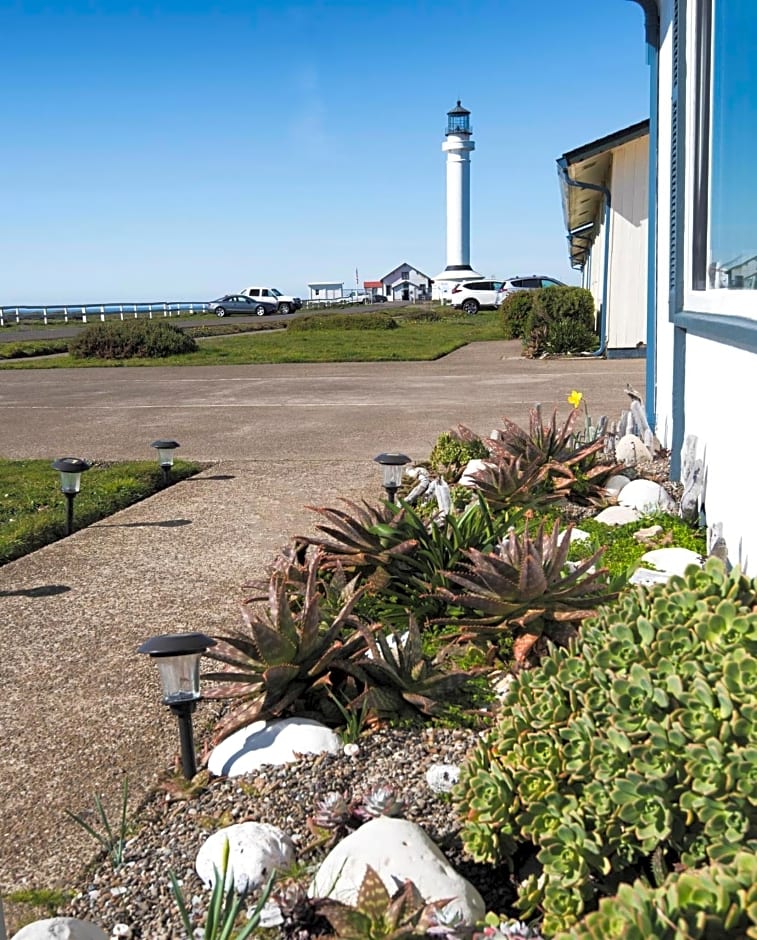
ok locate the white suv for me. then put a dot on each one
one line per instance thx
(285, 303)
(473, 295)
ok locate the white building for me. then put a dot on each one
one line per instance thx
(406, 283)
(605, 194)
(702, 326)
(458, 146)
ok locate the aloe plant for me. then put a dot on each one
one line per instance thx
(288, 658)
(526, 586)
(378, 916)
(398, 680)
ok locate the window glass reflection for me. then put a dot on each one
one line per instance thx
(733, 201)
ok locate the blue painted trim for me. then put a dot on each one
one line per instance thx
(651, 371)
(720, 328)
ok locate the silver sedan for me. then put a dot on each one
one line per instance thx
(238, 303)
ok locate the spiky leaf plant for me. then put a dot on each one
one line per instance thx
(512, 481)
(378, 916)
(288, 657)
(633, 748)
(525, 586)
(366, 537)
(574, 469)
(399, 681)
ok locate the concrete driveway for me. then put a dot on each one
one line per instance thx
(321, 411)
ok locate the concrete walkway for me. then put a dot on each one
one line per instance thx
(78, 707)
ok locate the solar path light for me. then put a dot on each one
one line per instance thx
(70, 469)
(165, 457)
(178, 658)
(392, 465)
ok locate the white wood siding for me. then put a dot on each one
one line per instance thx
(627, 303)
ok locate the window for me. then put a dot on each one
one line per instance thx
(733, 199)
(719, 222)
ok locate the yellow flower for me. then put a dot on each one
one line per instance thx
(575, 398)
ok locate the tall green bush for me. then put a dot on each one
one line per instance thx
(515, 310)
(561, 320)
(128, 339)
(637, 742)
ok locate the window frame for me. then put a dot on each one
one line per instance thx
(728, 316)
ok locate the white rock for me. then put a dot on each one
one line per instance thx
(60, 928)
(672, 560)
(646, 496)
(617, 515)
(442, 777)
(121, 932)
(275, 742)
(616, 483)
(648, 577)
(576, 535)
(254, 850)
(631, 450)
(398, 850)
(351, 749)
(472, 467)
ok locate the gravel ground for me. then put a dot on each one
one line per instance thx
(171, 829)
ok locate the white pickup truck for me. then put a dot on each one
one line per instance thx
(285, 303)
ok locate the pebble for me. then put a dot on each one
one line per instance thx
(171, 832)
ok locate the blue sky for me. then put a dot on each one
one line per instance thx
(178, 150)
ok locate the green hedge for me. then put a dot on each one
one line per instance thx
(561, 320)
(515, 310)
(128, 339)
(342, 321)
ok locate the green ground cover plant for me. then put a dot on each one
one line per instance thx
(412, 341)
(24, 349)
(631, 754)
(33, 509)
(622, 551)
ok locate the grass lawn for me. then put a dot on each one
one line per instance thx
(412, 340)
(33, 509)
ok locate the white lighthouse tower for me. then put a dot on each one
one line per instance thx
(458, 146)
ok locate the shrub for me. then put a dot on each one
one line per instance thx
(637, 741)
(515, 309)
(454, 449)
(551, 306)
(343, 321)
(717, 901)
(128, 339)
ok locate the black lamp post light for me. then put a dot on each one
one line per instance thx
(165, 457)
(178, 658)
(392, 465)
(70, 469)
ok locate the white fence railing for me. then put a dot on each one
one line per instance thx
(84, 312)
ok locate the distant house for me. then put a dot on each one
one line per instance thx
(326, 290)
(407, 283)
(701, 360)
(373, 288)
(605, 195)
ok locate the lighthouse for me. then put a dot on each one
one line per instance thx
(458, 146)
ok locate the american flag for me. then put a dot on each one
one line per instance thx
(357, 279)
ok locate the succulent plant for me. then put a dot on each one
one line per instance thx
(332, 811)
(572, 468)
(634, 745)
(715, 901)
(289, 658)
(378, 916)
(398, 680)
(454, 449)
(514, 481)
(381, 801)
(525, 586)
